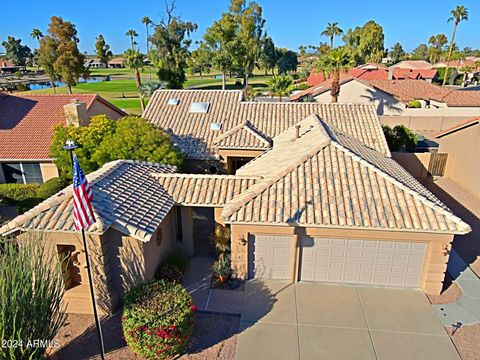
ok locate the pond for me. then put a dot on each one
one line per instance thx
(48, 85)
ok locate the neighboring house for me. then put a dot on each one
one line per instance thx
(318, 205)
(8, 67)
(462, 144)
(469, 61)
(393, 97)
(116, 63)
(94, 63)
(26, 130)
(215, 128)
(413, 65)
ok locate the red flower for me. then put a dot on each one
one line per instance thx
(172, 327)
(193, 308)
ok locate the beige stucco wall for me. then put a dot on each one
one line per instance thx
(435, 264)
(356, 92)
(424, 124)
(463, 163)
(49, 170)
(415, 163)
(99, 108)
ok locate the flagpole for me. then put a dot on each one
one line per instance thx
(70, 146)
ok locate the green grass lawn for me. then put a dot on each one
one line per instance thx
(123, 92)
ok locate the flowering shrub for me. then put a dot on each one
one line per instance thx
(157, 319)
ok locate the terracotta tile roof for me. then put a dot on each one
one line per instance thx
(125, 197)
(6, 63)
(204, 190)
(191, 132)
(320, 88)
(27, 122)
(462, 125)
(243, 136)
(329, 179)
(406, 90)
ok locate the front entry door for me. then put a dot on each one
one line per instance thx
(203, 227)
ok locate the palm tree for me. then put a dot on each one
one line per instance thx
(331, 31)
(332, 64)
(146, 21)
(36, 34)
(132, 34)
(134, 60)
(280, 86)
(460, 13)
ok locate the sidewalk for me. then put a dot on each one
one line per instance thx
(466, 310)
(197, 280)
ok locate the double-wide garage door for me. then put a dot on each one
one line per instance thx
(374, 262)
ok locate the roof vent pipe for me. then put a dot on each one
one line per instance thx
(297, 131)
(390, 72)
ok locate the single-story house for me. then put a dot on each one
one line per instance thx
(94, 63)
(218, 131)
(318, 204)
(462, 144)
(8, 67)
(26, 130)
(116, 63)
(392, 97)
(413, 64)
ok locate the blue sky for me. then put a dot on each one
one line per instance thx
(289, 23)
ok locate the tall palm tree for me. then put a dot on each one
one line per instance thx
(36, 34)
(331, 31)
(147, 21)
(134, 60)
(460, 13)
(332, 64)
(132, 34)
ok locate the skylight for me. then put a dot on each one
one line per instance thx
(199, 107)
(215, 126)
(173, 101)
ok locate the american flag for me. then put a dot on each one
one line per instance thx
(82, 198)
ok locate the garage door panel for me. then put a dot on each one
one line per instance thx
(362, 261)
(270, 256)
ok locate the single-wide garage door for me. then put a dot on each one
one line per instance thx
(390, 263)
(270, 256)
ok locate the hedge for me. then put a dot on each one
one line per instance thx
(158, 319)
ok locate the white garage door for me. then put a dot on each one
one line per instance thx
(362, 261)
(270, 256)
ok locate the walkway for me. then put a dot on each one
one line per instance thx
(466, 310)
(197, 280)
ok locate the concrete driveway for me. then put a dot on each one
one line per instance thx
(281, 320)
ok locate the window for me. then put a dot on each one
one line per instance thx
(22, 173)
(69, 263)
(199, 107)
(178, 224)
(173, 102)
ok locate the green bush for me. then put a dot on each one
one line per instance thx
(400, 138)
(172, 268)
(158, 319)
(414, 104)
(13, 193)
(50, 187)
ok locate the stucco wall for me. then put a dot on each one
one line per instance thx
(99, 108)
(415, 163)
(356, 92)
(435, 264)
(49, 170)
(426, 124)
(463, 163)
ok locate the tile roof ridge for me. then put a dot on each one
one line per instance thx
(202, 176)
(435, 207)
(253, 191)
(458, 126)
(255, 132)
(227, 133)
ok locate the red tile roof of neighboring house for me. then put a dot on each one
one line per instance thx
(462, 125)
(413, 64)
(27, 122)
(6, 63)
(458, 63)
(320, 88)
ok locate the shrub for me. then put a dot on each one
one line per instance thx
(414, 104)
(17, 192)
(222, 268)
(172, 268)
(400, 137)
(50, 187)
(158, 319)
(30, 296)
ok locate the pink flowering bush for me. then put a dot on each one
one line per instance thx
(158, 319)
